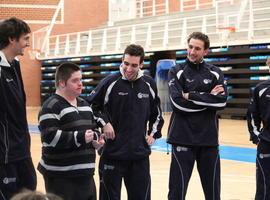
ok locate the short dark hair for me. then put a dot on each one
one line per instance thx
(200, 36)
(64, 72)
(12, 28)
(135, 50)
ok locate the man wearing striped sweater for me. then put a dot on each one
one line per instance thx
(68, 134)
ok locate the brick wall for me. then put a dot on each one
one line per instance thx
(79, 15)
(28, 13)
(44, 2)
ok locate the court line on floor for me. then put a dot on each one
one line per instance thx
(242, 154)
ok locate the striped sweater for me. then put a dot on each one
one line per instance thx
(64, 150)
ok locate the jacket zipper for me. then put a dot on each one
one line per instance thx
(172, 124)
(7, 143)
(5, 140)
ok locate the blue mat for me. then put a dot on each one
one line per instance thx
(226, 152)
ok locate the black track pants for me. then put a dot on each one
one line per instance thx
(263, 171)
(182, 162)
(75, 188)
(136, 177)
(17, 176)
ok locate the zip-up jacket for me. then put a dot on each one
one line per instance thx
(129, 106)
(65, 152)
(194, 121)
(258, 115)
(14, 134)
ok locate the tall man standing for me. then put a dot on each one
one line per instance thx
(258, 119)
(16, 167)
(197, 91)
(128, 102)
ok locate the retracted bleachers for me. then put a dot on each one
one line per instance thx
(94, 68)
(241, 57)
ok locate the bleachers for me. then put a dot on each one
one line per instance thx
(241, 58)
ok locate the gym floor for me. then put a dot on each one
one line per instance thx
(237, 162)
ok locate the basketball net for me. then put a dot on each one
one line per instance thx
(225, 33)
(33, 54)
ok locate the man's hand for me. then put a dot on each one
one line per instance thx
(89, 135)
(185, 95)
(108, 131)
(149, 139)
(218, 89)
(99, 143)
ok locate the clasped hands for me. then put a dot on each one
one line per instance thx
(97, 141)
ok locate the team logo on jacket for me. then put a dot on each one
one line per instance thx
(207, 81)
(171, 82)
(108, 167)
(7, 180)
(9, 80)
(142, 95)
(122, 93)
(189, 80)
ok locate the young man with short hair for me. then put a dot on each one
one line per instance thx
(68, 134)
(16, 166)
(128, 102)
(196, 91)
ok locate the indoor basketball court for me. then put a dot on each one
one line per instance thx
(93, 34)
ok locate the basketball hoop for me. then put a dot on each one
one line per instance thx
(225, 32)
(230, 29)
(33, 54)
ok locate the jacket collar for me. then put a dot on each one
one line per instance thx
(195, 65)
(140, 73)
(3, 60)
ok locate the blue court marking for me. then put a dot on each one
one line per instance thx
(33, 128)
(226, 152)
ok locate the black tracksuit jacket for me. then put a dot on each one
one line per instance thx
(194, 121)
(258, 115)
(129, 107)
(14, 134)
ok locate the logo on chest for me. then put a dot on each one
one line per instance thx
(122, 93)
(9, 79)
(207, 81)
(189, 80)
(142, 95)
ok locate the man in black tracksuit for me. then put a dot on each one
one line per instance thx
(258, 119)
(16, 167)
(128, 102)
(196, 91)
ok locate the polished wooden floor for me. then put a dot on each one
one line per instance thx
(238, 178)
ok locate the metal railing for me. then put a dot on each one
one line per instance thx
(167, 34)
